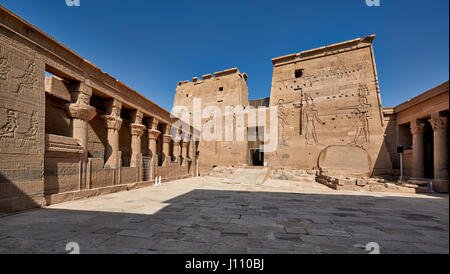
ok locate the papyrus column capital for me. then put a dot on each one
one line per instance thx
(439, 122)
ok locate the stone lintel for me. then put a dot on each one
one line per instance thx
(57, 87)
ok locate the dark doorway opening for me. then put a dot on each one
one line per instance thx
(256, 157)
(255, 152)
(428, 140)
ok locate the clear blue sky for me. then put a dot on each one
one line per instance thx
(151, 45)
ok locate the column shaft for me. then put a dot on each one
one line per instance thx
(439, 124)
(166, 149)
(137, 131)
(113, 123)
(417, 131)
(176, 150)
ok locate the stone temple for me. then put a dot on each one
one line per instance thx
(69, 131)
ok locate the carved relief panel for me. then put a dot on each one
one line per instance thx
(330, 100)
(22, 102)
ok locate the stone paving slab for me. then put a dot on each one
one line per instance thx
(207, 216)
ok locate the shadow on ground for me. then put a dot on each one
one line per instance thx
(218, 221)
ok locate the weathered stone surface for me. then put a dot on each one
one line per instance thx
(53, 145)
(345, 160)
(182, 217)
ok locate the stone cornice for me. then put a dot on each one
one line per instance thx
(325, 50)
(438, 90)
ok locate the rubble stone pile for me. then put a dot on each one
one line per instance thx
(369, 184)
(294, 175)
(221, 172)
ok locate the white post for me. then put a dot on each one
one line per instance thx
(196, 165)
(159, 180)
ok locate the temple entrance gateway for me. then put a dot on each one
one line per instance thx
(255, 153)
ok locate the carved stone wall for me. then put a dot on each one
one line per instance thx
(223, 89)
(56, 132)
(22, 125)
(328, 97)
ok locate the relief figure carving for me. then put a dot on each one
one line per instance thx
(5, 68)
(9, 128)
(361, 113)
(312, 115)
(31, 133)
(282, 118)
(28, 79)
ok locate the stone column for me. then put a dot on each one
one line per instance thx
(136, 131)
(113, 123)
(153, 134)
(177, 148)
(81, 113)
(439, 124)
(417, 131)
(166, 146)
(184, 149)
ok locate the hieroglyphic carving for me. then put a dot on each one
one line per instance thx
(341, 69)
(9, 128)
(311, 115)
(28, 79)
(310, 78)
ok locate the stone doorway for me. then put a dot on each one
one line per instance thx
(255, 153)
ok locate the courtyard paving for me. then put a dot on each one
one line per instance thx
(208, 215)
